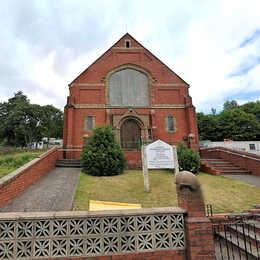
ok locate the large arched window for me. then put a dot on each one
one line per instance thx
(128, 87)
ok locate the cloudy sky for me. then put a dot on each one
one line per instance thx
(214, 45)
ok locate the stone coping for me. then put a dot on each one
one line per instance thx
(82, 214)
(12, 175)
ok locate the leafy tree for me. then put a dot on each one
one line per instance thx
(252, 108)
(102, 156)
(238, 125)
(23, 123)
(52, 122)
(188, 159)
(207, 126)
(213, 111)
(12, 114)
(229, 105)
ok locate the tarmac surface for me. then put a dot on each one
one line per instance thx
(250, 179)
(53, 192)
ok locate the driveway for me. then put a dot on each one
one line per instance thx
(53, 192)
(250, 179)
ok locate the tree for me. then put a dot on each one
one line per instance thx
(207, 126)
(238, 125)
(213, 111)
(12, 115)
(52, 122)
(103, 156)
(23, 123)
(229, 105)
(252, 108)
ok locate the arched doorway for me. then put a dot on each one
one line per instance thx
(130, 134)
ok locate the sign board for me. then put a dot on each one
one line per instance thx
(160, 155)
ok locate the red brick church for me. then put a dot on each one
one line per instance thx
(134, 92)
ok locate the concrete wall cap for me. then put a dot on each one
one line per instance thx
(187, 179)
(84, 214)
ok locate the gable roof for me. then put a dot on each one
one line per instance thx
(127, 36)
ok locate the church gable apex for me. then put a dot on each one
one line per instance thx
(126, 50)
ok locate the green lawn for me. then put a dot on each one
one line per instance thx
(11, 162)
(224, 194)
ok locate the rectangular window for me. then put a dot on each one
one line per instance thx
(170, 124)
(89, 123)
(127, 43)
(252, 146)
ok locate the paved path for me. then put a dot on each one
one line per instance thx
(250, 179)
(53, 192)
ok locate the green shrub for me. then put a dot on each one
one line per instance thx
(188, 159)
(102, 156)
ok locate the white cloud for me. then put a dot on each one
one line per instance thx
(47, 45)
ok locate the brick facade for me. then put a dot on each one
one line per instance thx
(168, 95)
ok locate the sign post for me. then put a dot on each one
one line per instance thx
(158, 155)
(145, 169)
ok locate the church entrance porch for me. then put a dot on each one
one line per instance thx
(130, 135)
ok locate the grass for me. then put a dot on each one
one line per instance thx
(12, 161)
(224, 194)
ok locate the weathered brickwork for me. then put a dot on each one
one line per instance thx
(18, 181)
(168, 95)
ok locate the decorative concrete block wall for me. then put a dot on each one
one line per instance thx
(136, 233)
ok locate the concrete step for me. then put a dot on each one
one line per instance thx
(235, 172)
(68, 163)
(225, 167)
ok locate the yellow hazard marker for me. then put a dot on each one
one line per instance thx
(106, 205)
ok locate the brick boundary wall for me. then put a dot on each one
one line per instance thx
(17, 181)
(157, 255)
(242, 159)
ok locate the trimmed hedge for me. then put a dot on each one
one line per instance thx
(102, 155)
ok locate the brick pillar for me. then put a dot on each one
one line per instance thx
(198, 228)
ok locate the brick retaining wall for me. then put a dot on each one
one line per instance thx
(17, 181)
(245, 160)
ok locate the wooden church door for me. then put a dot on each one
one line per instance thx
(130, 133)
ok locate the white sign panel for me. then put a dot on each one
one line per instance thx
(159, 155)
